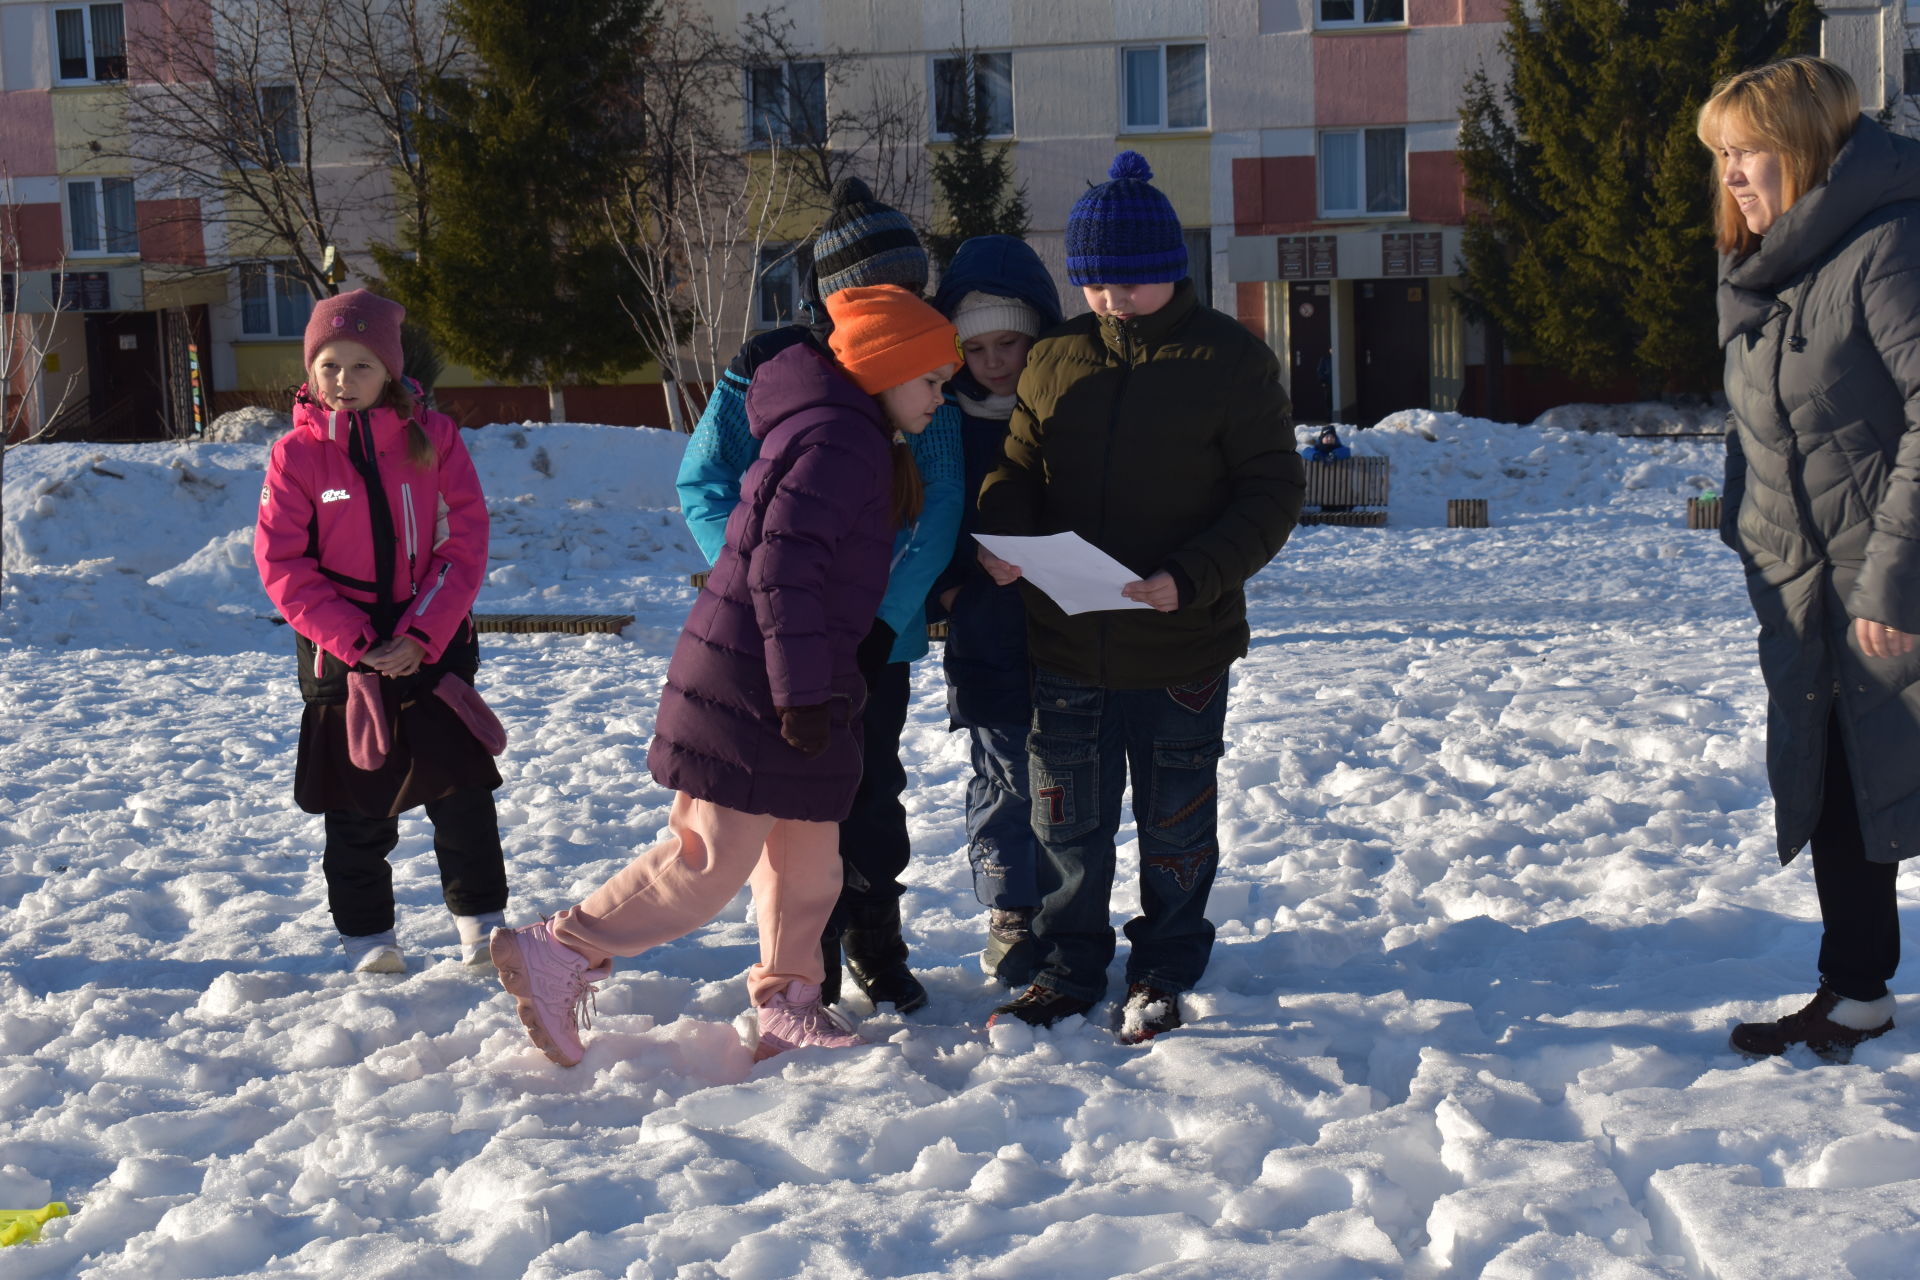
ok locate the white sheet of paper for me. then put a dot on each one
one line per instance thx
(1080, 577)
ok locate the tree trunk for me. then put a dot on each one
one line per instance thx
(676, 408)
(556, 403)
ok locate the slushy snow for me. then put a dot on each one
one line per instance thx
(1497, 878)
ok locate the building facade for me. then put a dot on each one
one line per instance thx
(1309, 147)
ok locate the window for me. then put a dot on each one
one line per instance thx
(273, 302)
(100, 216)
(959, 83)
(1362, 13)
(1910, 72)
(279, 124)
(89, 44)
(777, 296)
(1165, 86)
(1363, 171)
(787, 102)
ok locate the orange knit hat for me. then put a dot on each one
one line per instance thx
(884, 336)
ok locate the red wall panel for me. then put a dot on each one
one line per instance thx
(41, 240)
(1273, 194)
(170, 232)
(1360, 79)
(1436, 190)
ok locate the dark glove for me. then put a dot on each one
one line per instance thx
(806, 729)
(876, 649)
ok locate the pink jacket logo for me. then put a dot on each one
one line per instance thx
(335, 495)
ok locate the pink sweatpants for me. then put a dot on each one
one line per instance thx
(688, 878)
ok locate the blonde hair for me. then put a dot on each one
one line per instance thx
(1803, 109)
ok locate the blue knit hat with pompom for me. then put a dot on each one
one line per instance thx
(1124, 231)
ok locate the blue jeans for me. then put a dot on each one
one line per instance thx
(1000, 840)
(1085, 741)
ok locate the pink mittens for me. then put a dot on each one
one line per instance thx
(473, 712)
(369, 735)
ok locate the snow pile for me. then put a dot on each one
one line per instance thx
(1530, 472)
(251, 425)
(1497, 876)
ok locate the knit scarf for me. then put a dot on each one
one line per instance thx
(999, 408)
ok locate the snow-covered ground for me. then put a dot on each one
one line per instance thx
(1498, 877)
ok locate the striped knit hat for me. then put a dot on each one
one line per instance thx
(1124, 231)
(864, 242)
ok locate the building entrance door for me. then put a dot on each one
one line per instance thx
(1310, 346)
(1390, 339)
(126, 385)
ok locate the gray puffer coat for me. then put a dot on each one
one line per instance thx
(1822, 332)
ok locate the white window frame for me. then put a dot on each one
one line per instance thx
(778, 261)
(973, 87)
(1163, 126)
(754, 139)
(1360, 133)
(276, 283)
(100, 229)
(1359, 20)
(86, 12)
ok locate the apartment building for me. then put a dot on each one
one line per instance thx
(1308, 146)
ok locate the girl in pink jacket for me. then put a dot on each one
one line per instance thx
(372, 541)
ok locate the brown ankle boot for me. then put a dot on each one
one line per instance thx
(1815, 1027)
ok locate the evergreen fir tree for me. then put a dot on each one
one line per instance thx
(975, 183)
(519, 275)
(1591, 247)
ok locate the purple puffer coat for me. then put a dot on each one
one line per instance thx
(787, 603)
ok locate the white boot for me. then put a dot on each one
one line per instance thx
(373, 953)
(474, 932)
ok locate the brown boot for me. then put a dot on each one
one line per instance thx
(1830, 1025)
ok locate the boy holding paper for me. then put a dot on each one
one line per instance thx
(1155, 428)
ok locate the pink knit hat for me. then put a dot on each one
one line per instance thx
(362, 317)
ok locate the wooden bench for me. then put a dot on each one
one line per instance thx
(571, 623)
(1346, 482)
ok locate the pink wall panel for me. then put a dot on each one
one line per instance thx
(170, 232)
(168, 39)
(1360, 79)
(1434, 13)
(1272, 194)
(1436, 188)
(38, 226)
(1483, 10)
(26, 134)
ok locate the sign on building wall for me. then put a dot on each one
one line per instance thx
(86, 291)
(1396, 254)
(1309, 257)
(1429, 259)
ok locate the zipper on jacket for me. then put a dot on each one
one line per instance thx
(413, 537)
(1124, 331)
(427, 600)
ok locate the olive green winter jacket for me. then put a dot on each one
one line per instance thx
(1821, 326)
(1166, 441)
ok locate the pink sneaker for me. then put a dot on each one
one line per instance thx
(795, 1018)
(549, 982)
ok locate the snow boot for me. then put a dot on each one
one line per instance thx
(552, 986)
(1040, 1006)
(1011, 952)
(1147, 1012)
(877, 956)
(475, 934)
(795, 1018)
(373, 953)
(1830, 1024)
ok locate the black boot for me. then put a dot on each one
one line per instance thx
(830, 965)
(877, 956)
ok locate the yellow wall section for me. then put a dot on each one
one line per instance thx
(266, 366)
(1182, 170)
(88, 115)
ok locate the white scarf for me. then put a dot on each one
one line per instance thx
(999, 408)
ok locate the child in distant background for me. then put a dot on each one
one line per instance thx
(760, 724)
(1000, 298)
(372, 542)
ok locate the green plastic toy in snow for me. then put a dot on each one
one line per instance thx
(22, 1226)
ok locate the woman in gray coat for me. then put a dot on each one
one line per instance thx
(1819, 233)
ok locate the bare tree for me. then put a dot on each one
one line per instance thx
(392, 53)
(27, 324)
(836, 114)
(230, 107)
(694, 220)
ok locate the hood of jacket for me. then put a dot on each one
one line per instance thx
(1005, 266)
(1874, 169)
(800, 380)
